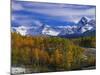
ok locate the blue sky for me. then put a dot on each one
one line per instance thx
(36, 13)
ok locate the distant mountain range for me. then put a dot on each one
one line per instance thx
(85, 27)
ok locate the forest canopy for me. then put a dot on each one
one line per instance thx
(50, 53)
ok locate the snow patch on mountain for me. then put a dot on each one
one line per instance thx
(50, 31)
(86, 28)
(84, 24)
(21, 30)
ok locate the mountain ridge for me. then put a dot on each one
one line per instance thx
(85, 24)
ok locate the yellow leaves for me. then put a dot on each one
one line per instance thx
(69, 57)
(40, 55)
(28, 42)
(17, 42)
(91, 60)
(46, 50)
(36, 53)
(57, 57)
(44, 57)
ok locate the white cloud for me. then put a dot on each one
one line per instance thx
(37, 22)
(53, 9)
(25, 21)
(58, 11)
(63, 11)
(66, 12)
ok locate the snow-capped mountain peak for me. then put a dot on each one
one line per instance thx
(21, 29)
(84, 24)
(83, 21)
(50, 31)
(86, 28)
